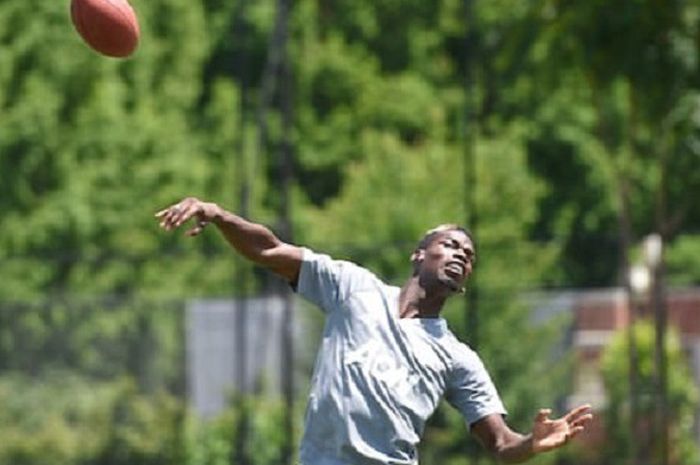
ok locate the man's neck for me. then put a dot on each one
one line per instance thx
(415, 301)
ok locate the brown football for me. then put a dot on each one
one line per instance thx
(109, 27)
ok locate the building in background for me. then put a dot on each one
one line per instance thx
(597, 315)
(237, 346)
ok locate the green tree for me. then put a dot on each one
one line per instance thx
(614, 127)
(682, 396)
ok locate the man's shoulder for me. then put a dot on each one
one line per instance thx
(338, 265)
(462, 355)
(346, 276)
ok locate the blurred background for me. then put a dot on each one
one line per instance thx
(564, 134)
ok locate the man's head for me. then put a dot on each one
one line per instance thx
(444, 256)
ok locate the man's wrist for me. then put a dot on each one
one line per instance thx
(530, 445)
(529, 450)
(519, 451)
(217, 214)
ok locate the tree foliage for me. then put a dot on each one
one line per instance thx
(682, 396)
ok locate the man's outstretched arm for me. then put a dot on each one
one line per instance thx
(252, 240)
(547, 434)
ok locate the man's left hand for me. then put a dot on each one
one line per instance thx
(548, 434)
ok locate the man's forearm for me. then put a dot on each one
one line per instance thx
(251, 240)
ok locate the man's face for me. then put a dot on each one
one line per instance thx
(447, 259)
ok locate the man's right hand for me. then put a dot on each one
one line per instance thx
(179, 213)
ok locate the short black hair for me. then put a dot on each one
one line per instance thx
(431, 233)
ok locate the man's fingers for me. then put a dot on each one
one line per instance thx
(197, 229)
(168, 220)
(577, 412)
(543, 414)
(573, 432)
(168, 217)
(176, 214)
(582, 420)
(182, 214)
(194, 231)
(171, 208)
(165, 219)
(165, 215)
(164, 211)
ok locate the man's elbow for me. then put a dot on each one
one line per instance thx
(283, 260)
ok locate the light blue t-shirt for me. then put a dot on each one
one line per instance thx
(379, 377)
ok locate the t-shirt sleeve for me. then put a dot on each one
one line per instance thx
(470, 389)
(327, 282)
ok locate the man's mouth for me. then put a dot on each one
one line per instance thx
(456, 269)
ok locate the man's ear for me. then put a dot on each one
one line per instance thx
(417, 256)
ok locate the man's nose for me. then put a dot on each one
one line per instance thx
(461, 254)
